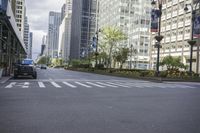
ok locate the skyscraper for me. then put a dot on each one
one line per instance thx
(63, 11)
(26, 34)
(68, 6)
(133, 18)
(82, 28)
(19, 11)
(53, 33)
(65, 33)
(44, 46)
(30, 45)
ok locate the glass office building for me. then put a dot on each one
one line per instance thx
(133, 18)
(82, 27)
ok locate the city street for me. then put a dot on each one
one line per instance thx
(61, 101)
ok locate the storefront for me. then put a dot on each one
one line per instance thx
(11, 44)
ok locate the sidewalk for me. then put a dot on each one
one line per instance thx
(5, 79)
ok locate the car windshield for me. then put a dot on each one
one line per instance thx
(27, 62)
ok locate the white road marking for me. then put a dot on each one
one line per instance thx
(95, 85)
(41, 85)
(185, 86)
(26, 85)
(11, 85)
(83, 84)
(109, 85)
(118, 84)
(70, 85)
(134, 85)
(55, 85)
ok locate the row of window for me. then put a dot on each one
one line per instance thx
(177, 32)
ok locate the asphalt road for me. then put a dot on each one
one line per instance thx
(61, 101)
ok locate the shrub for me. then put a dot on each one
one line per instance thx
(80, 64)
(75, 63)
(163, 74)
(99, 66)
(144, 73)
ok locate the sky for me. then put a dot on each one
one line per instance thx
(37, 12)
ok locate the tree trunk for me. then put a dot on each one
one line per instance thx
(110, 56)
(121, 65)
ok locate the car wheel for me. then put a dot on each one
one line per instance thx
(35, 76)
(15, 76)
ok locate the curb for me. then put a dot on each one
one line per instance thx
(5, 80)
(151, 79)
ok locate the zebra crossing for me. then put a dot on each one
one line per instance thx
(94, 84)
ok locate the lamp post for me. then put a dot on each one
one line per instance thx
(131, 56)
(96, 50)
(192, 42)
(97, 34)
(159, 37)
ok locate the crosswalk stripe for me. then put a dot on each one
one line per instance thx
(118, 84)
(135, 85)
(83, 84)
(68, 84)
(109, 85)
(55, 84)
(41, 85)
(95, 85)
(185, 86)
(11, 85)
(26, 85)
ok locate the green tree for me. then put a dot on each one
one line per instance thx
(173, 63)
(57, 62)
(43, 60)
(111, 36)
(103, 58)
(121, 56)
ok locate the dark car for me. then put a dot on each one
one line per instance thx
(43, 66)
(25, 68)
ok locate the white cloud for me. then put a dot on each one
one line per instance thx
(37, 12)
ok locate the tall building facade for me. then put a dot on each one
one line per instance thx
(44, 46)
(176, 29)
(26, 34)
(19, 11)
(63, 11)
(133, 18)
(11, 44)
(64, 38)
(30, 45)
(53, 33)
(65, 33)
(82, 28)
(69, 6)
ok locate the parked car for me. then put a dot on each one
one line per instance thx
(43, 66)
(25, 68)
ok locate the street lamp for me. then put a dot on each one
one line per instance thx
(159, 37)
(96, 47)
(192, 42)
(131, 56)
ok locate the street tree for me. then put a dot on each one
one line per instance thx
(121, 56)
(112, 36)
(173, 63)
(57, 61)
(43, 60)
(103, 58)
